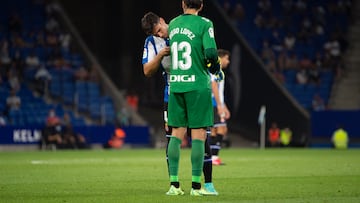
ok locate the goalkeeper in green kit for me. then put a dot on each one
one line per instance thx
(193, 55)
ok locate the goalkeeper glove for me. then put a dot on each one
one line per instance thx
(214, 67)
(219, 76)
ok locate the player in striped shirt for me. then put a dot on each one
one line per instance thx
(221, 112)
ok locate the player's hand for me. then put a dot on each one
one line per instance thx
(221, 112)
(166, 127)
(165, 51)
(219, 76)
(214, 67)
(227, 113)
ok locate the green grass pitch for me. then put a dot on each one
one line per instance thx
(140, 175)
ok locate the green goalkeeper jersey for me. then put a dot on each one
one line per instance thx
(189, 36)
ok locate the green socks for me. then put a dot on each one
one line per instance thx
(174, 157)
(197, 159)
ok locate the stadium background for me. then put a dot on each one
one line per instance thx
(124, 30)
(112, 32)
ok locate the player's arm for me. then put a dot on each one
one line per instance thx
(152, 66)
(219, 104)
(221, 90)
(227, 112)
(212, 60)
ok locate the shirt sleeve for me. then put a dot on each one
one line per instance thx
(209, 36)
(212, 77)
(221, 91)
(149, 51)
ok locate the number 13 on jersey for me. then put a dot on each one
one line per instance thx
(184, 61)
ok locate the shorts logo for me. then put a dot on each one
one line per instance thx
(182, 78)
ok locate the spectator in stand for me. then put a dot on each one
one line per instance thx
(289, 41)
(305, 62)
(281, 60)
(318, 61)
(13, 102)
(292, 62)
(5, 59)
(57, 60)
(51, 39)
(276, 41)
(40, 38)
(30, 38)
(18, 59)
(307, 24)
(318, 103)
(93, 74)
(301, 77)
(13, 78)
(52, 24)
(32, 60)
(319, 14)
(319, 29)
(52, 57)
(65, 40)
(259, 21)
(81, 73)
(50, 8)
(270, 65)
(17, 41)
(42, 79)
(18, 63)
(267, 54)
(264, 8)
(327, 62)
(332, 46)
(314, 75)
(2, 119)
(306, 30)
(279, 76)
(339, 70)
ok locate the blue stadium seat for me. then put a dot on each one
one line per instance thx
(62, 87)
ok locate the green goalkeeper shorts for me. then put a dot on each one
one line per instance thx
(191, 109)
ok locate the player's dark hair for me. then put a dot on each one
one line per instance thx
(148, 22)
(223, 52)
(196, 4)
